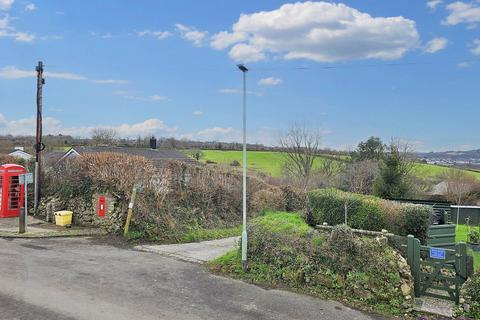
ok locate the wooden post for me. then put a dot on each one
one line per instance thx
(461, 268)
(130, 209)
(410, 239)
(416, 266)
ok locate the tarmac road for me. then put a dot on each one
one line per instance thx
(78, 278)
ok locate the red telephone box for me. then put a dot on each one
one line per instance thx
(11, 192)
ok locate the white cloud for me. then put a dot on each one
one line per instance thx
(462, 12)
(128, 95)
(270, 81)
(12, 72)
(436, 44)
(23, 36)
(197, 113)
(157, 97)
(51, 37)
(30, 7)
(102, 35)
(476, 47)
(463, 64)
(215, 133)
(191, 34)
(7, 31)
(434, 3)
(230, 90)
(54, 126)
(110, 81)
(6, 4)
(319, 31)
(160, 35)
(4, 22)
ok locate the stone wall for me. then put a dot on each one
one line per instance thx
(85, 211)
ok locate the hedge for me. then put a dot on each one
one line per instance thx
(367, 212)
(284, 251)
(470, 292)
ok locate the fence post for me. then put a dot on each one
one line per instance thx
(416, 266)
(461, 268)
(410, 251)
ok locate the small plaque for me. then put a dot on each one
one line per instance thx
(437, 253)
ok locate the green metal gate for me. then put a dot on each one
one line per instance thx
(437, 272)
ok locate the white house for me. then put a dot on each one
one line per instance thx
(19, 153)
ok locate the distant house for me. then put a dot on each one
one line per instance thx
(158, 157)
(20, 153)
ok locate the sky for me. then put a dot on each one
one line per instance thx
(404, 70)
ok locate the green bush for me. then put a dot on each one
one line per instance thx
(471, 294)
(283, 250)
(367, 212)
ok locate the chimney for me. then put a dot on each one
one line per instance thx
(153, 143)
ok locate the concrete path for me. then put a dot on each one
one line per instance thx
(79, 278)
(37, 228)
(199, 252)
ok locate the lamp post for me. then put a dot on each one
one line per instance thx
(244, 231)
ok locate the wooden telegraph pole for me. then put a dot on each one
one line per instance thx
(39, 146)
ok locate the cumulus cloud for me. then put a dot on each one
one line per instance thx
(30, 7)
(197, 113)
(191, 34)
(6, 4)
(26, 126)
(8, 31)
(475, 47)
(160, 35)
(270, 81)
(433, 4)
(462, 12)
(318, 31)
(436, 44)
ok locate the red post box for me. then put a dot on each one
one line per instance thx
(102, 206)
(11, 192)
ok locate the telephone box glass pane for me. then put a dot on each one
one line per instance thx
(13, 193)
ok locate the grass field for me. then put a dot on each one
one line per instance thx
(461, 235)
(267, 162)
(271, 162)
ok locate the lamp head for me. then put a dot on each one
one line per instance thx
(242, 67)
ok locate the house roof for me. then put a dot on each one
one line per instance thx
(157, 156)
(20, 153)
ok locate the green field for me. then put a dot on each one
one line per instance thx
(425, 171)
(267, 162)
(271, 162)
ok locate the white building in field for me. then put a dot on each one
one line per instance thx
(20, 153)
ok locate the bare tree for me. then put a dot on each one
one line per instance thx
(104, 136)
(300, 146)
(459, 186)
(359, 177)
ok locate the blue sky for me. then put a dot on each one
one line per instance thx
(395, 69)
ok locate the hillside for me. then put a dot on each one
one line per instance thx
(270, 162)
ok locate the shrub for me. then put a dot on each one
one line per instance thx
(367, 212)
(471, 294)
(268, 199)
(294, 199)
(283, 250)
(235, 163)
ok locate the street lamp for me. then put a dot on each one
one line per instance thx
(244, 231)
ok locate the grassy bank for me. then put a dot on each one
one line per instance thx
(461, 235)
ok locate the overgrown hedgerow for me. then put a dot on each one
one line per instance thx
(284, 251)
(367, 212)
(470, 292)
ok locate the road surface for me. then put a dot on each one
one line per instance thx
(80, 278)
